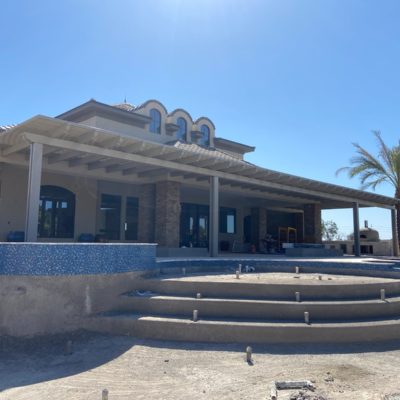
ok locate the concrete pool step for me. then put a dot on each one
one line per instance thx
(323, 290)
(260, 309)
(236, 331)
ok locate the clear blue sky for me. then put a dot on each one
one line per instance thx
(300, 80)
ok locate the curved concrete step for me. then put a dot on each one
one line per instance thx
(222, 331)
(324, 290)
(262, 309)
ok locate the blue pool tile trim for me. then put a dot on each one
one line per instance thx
(75, 258)
(276, 263)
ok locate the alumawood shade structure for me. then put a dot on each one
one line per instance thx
(64, 147)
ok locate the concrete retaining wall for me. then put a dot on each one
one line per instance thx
(35, 305)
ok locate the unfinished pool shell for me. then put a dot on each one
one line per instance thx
(261, 307)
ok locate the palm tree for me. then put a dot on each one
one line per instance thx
(373, 171)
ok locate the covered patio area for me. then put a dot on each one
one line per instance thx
(178, 195)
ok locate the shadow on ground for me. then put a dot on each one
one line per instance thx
(28, 361)
(33, 360)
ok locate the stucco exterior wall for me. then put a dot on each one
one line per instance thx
(381, 248)
(14, 181)
(13, 196)
(129, 130)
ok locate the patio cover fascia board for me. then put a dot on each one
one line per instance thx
(60, 134)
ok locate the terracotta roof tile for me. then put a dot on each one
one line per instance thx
(6, 127)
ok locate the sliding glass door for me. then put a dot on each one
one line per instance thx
(118, 212)
(194, 225)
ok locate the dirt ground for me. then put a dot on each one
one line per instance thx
(38, 369)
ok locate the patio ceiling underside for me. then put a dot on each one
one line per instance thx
(79, 149)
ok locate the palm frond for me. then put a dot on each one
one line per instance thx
(385, 153)
(372, 170)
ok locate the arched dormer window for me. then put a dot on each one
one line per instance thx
(155, 124)
(205, 140)
(181, 134)
(56, 212)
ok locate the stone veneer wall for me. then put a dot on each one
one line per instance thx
(312, 223)
(258, 225)
(299, 227)
(167, 216)
(146, 213)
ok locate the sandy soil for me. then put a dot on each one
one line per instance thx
(37, 369)
(279, 277)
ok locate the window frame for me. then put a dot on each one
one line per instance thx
(179, 134)
(61, 212)
(224, 213)
(111, 216)
(206, 131)
(155, 124)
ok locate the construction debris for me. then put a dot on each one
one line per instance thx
(303, 395)
(303, 384)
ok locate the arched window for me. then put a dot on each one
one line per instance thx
(155, 124)
(181, 134)
(56, 212)
(205, 140)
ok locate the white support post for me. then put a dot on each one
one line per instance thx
(356, 222)
(33, 198)
(214, 216)
(123, 222)
(395, 238)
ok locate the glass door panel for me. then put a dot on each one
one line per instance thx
(132, 218)
(110, 216)
(194, 225)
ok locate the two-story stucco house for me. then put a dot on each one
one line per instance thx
(143, 174)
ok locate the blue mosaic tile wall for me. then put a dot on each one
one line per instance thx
(75, 258)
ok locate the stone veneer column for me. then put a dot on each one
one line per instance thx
(312, 223)
(146, 213)
(167, 213)
(258, 225)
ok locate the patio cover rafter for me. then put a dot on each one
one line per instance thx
(120, 155)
